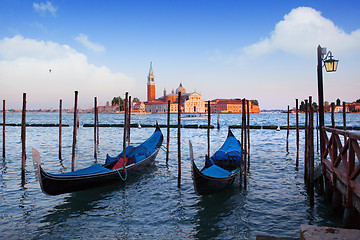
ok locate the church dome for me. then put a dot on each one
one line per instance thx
(180, 89)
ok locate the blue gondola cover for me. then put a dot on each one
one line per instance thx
(139, 153)
(215, 171)
(94, 169)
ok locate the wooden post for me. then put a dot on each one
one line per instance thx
(179, 139)
(242, 126)
(23, 137)
(297, 133)
(344, 120)
(218, 119)
(248, 134)
(333, 115)
(311, 152)
(3, 153)
(74, 132)
(60, 128)
(306, 165)
(208, 129)
(317, 130)
(129, 121)
(95, 128)
(125, 129)
(288, 126)
(168, 133)
(244, 130)
(97, 124)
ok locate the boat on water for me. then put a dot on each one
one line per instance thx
(194, 116)
(220, 169)
(136, 159)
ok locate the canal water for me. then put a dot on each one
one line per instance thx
(151, 206)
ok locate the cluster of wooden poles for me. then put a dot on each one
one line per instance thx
(309, 140)
(245, 133)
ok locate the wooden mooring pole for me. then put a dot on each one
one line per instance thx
(74, 132)
(179, 140)
(129, 121)
(168, 133)
(245, 137)
(208, 130)
(344, 119)
(3, 148)
(60, 127)
(23, 137)
(333, 115)
(306, 130)
(125, 130)
(297, 133)
(248, 134)
(95, 127)
(288, 125)
(317, 130)
(310, 152)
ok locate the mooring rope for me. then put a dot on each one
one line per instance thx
(124, 179)
(162, 147)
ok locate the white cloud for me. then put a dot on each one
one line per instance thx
(25, 64)
(84, 40)
(42, 8)
(301, 31)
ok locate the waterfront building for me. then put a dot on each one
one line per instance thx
(231, 106)
(190, 102)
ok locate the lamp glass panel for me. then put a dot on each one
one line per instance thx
(331, 65)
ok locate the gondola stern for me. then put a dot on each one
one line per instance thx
(36, 163)
(39, 172)
(157, 126)
(230, 134)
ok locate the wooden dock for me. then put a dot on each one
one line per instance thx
(341, 170)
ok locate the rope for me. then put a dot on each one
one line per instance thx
(163, 148)
(124, 179)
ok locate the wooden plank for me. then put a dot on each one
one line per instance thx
(356, 147)
(350, 169)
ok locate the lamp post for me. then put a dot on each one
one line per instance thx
(330, 66)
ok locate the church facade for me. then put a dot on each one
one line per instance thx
(189, 102)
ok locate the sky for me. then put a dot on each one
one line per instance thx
(254, 49)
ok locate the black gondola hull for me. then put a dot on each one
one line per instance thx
(204, 185)
(55, 185)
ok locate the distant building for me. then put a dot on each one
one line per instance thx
(151, 85)
(231, 106)
(190, 102)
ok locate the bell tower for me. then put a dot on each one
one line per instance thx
(151, 85)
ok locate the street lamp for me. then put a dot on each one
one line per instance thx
(330, 66)
(330, 63)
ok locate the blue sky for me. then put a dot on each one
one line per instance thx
(264, 50)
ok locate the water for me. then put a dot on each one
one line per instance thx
(151, 206)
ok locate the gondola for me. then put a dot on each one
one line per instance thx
(137, 158)
(220, 170)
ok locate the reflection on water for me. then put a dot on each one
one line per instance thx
(151, 206)
(211, 210)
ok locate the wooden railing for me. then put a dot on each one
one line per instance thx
(341, 161)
